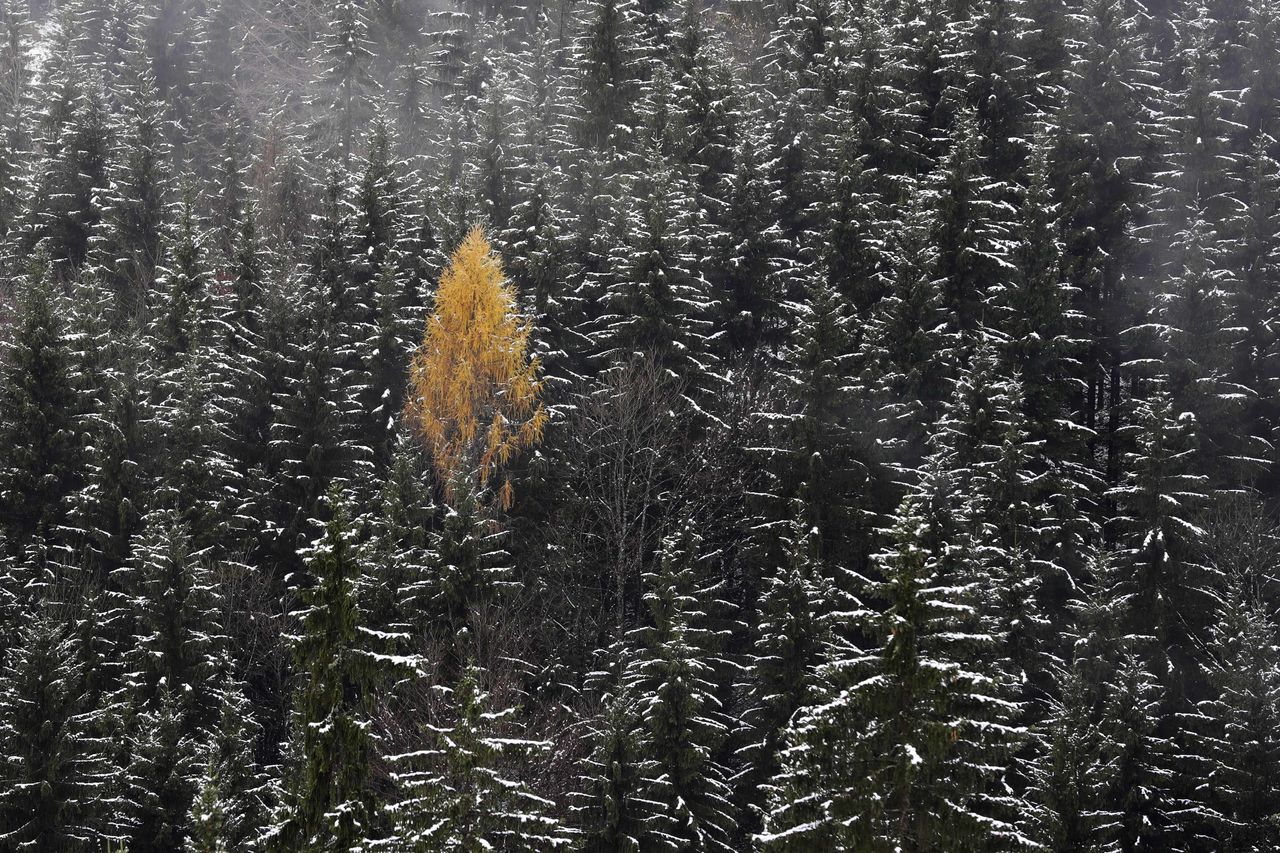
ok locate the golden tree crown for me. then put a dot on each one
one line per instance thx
(473, 389)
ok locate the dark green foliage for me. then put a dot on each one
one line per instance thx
(462, 574)
(66, 210)
(674, 676)
(609, 806)
(326, 802)
(229, 812)
(163, 773)
(1242, 732)
(457, 794)
(606, 65)
(1171, 587)
(40, 451)
(657, 300)
(130, 243)
(876, 761)
(794, 630)
(346, 55)
(179, 638)
(56, 777)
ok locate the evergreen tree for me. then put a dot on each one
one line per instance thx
(179, 636)
(40, 455)
(609, 804)
(970, 231)
(1034, 308)
(129, 243)
(898, 731)
(909, 351)
(346, 53)
(1256, 114)
(207, 818)
(465, 572)
(183, 319)
(65, 208)
(1251, 305)
(310, 427)
(163, 774)
(202, 480)
(229, 812)
(326, 799)
(56, 782)
(657, 300)
(674, 678)
(397, 593)
(458, 794)
(121, 429)
(741, 272)
(1066, 788)
(384, 357)
(1103, 165)
(607, 65)
(794, 631)
(1243, 733)
(997, 83)
(1135, 777)
(1154, 526)
(16, 109)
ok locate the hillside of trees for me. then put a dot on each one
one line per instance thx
(621, 426)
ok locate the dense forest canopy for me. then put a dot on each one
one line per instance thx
(639, 425)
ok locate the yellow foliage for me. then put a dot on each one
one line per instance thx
(473, 390)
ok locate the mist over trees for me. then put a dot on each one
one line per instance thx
(639, 425)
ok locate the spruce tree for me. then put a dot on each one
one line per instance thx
(230, 810)
(1242, 732)
(326, 800)
(970, 230)
(310, 430)
(674, 679)
(749, 307)
(345, 50)
(794, 631)
(997, 83)
(1155, 528)
(459, 793)
(880, 759)
(1033, 309)
(609, 804)
(1065, 787)
(397, 594)
(1135, 777)
(122, 430)
(1252, 258)
(465, 571)
(129, 244)
(909, 351)
(180, 638)
(607, 65)
(163, 774)
(207, 818)
(40, 455)
(16, 108)
(1102, 166)
(657, 301)
(57, 788)
(66, 208)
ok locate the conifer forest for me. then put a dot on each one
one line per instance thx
(639, 426)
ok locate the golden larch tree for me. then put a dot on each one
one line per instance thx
(473, 389)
